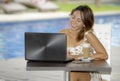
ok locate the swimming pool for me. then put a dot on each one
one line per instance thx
(12, 33)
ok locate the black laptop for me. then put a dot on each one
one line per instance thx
(46, 47)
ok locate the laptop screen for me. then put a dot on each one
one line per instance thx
(45, 46)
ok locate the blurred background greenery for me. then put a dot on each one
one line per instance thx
(103, 7)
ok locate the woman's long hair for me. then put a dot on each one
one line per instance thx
(87, 18)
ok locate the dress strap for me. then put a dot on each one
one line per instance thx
(86, 33)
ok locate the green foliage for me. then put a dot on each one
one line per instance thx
(67, 7)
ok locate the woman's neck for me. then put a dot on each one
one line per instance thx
(74, 32)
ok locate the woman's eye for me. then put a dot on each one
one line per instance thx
(79, 20)
(72, 16)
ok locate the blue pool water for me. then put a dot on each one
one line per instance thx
(12, 33)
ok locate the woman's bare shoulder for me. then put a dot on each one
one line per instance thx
(64, 31)
(91, 35)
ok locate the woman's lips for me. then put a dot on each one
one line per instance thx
(73, 26)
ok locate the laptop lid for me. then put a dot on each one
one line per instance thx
(45, 46)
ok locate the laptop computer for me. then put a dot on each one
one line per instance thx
(48, 47)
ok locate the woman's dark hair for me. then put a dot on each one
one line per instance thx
(87, 18)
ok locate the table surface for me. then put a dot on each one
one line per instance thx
(93, 66)
(15, 70)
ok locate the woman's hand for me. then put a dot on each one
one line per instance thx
(98, 57)
(76, 57)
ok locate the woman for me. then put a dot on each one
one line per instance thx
(80, 31)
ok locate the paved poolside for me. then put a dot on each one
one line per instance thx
(32, 16)
(115, 59)
(41, 15)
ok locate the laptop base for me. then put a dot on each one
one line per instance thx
(65, 61)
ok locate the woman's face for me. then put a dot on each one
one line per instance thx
(76, 21)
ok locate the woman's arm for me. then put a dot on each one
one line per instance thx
(101, 53)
